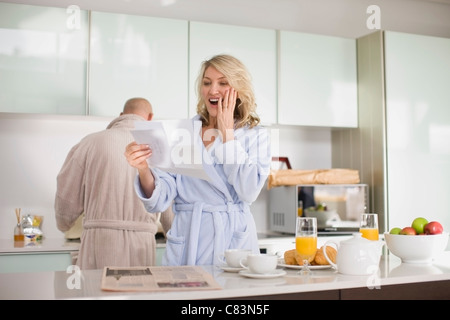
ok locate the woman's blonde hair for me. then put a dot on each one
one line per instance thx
(239, 78)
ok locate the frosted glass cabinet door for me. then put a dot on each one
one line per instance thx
(137, 56)
(317, 80)
(43, 53)
(255, 47)
(418, 127)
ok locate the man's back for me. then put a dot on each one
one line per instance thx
(97, 180)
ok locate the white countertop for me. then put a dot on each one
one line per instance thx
(53, 285)
(8, 246)
(271, 244)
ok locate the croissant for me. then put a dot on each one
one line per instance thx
(300, 260)
(320, 257)
(289, 257)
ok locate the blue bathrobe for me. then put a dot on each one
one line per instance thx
(211, 216)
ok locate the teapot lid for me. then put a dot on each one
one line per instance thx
(357, 239)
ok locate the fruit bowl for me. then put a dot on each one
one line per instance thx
(416, 248)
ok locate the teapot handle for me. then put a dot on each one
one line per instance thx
(324, 250)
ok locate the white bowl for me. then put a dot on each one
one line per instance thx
(416, 248)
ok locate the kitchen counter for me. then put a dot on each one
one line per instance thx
(393, 280)
(8, 246)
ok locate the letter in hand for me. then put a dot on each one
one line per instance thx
(137, 155)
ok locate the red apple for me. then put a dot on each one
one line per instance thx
(408, 231)
(433, 227)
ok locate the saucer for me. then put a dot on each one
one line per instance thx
(227, 268)
(276, 273)
(282, 264)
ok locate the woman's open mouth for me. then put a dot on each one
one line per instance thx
(214, 102)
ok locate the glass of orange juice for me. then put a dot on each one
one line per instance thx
(306, 241)
(369, 226)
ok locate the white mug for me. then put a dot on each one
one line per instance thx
(260, 263)
(232, 257)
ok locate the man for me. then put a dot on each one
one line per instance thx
(97, 180)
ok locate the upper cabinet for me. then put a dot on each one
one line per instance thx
(70, 61)
(43, 54)
(137, 56)
(317, 80)
(255, 47)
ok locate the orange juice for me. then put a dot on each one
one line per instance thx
(371, 234)
(300, 208)
(306, 246)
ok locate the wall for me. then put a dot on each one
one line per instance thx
(34, 148)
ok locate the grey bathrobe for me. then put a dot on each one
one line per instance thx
(96, 179)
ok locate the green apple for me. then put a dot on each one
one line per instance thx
(395, 230)
(418, 224)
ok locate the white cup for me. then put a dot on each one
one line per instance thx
(233, 257)
(260, 263)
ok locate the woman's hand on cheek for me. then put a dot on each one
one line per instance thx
(225, 115)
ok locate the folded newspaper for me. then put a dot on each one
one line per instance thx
(158, 278)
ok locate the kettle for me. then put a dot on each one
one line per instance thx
(356, 256)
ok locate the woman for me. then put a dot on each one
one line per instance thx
(214, 215)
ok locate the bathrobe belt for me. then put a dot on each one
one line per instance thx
(121, 225)
(197, 208)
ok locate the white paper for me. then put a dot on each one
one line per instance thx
(173, 147)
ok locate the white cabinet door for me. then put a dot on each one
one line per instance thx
(317, 80)
(417, 127)
(137, 56)
(255, 47)
(43, 59)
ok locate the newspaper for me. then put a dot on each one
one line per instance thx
(160, 278)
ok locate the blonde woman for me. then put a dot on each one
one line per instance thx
(212, 216)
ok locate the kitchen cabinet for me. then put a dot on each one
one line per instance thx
(255, 47)
(138, 56)
(43, 56)
(317, 80)
(35, 262)
(401, 146)
(160, 249)
(48, 255)
(417, 80)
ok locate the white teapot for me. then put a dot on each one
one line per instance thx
(356, 256)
